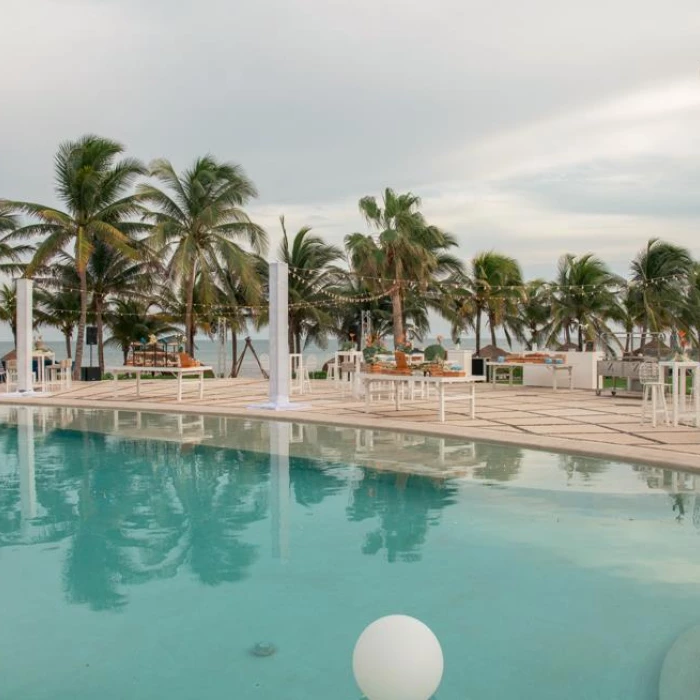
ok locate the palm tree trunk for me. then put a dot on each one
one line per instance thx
(298, 341)
(477, 330)
(290, 335)
(567, 334)
(99, 322)
(492, 327)
(580, 338)
(643, 339)
(82, 322)
(397, 313)
(68, 337)
(189, 314)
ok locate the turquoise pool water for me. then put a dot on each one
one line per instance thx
(144, 556)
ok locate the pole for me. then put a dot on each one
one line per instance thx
(278, 397)
(25, 325)
(279, 331)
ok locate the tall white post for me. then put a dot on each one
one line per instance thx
(279, 342)
(279, 335)
(279, 488)
(24, 335)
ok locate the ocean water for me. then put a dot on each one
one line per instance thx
(207, 352)
(146, 556)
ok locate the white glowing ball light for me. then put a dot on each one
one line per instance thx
(398, 658)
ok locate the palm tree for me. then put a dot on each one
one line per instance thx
(61, 309)
(237, 297)
(197, 223)
(691, 307)
(311, 280)
(406, 249)
(493, 287)
(534, 312)
(94, 187)
(8, 308)
(112, 274)
(11, 252)
(586, 298)
(130, 321)
(659, 274)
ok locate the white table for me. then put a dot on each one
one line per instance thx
(397, 380)
(552, 367)
(680, 409)
(179, 372)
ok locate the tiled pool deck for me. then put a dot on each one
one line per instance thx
(572, 421)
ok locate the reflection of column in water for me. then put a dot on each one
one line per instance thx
(279, 488)
(25, 448)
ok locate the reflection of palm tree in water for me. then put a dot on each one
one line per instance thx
(10, 509)
(220, 503)
(678, 501)
(405, 505)
(497, 463)
(147, 509)
(313, 480)
(585, 466)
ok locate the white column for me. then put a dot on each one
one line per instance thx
(24, 334)
(279, 342)
(279, 488)
(279, 334)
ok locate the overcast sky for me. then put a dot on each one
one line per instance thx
(533, 128)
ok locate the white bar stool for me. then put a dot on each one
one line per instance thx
(654, 391)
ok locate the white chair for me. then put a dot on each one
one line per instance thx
(653, 391)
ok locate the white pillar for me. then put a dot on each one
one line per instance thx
(279, 334)
(24, 334)
(279, 342)
(279, 488)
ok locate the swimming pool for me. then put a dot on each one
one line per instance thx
(144, 556)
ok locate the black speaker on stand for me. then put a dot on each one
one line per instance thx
(90, 374)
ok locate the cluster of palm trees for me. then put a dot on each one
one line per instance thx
(139, 251)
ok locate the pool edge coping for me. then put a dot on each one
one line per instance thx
(624, 453)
